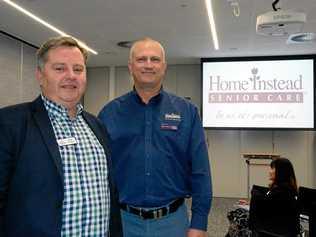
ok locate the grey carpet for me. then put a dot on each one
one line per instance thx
(217, 221)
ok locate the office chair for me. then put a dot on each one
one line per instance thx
(273, 218)
(258, 190)
(312, 220)
(307, 204)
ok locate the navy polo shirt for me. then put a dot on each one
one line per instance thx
(159, 152)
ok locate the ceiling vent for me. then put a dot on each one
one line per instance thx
(125, 44)
(301, 38)
(280, 23)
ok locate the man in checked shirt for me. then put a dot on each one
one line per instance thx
(55, 170)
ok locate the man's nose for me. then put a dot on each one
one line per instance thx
(71, 73)
(148, 63)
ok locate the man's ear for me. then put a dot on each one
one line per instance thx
(129, 67)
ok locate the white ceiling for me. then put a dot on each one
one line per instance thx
(181, 25)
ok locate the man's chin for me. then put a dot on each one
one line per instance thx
(72, 99)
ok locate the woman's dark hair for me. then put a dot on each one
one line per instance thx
(284, 173)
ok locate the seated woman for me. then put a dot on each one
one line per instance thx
(282, 186)
(282, 180)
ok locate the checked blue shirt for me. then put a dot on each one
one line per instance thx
(86, 204)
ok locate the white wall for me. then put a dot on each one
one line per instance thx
(229, 170)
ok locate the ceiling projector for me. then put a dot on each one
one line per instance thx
(280, 23)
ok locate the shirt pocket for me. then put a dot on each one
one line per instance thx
(125, 128)
(173, 135)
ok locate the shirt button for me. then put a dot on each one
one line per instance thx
(148, 174)
(148, 123)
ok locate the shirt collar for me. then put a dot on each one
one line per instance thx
(56, 110)
(156, 99)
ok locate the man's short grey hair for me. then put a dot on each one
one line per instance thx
(144, 40)
(53, 43)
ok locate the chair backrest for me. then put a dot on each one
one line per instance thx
(312, 220)
(269, 217)
(306, 197)
(307, 202)
(259, 190)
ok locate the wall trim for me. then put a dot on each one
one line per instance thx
(18, 39)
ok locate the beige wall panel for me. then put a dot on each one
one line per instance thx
(97, 92)
(10, 54)
(29, 86)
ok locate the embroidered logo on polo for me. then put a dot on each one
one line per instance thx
(173, 117)
(171, 121)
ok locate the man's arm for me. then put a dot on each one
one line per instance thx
(200, 177)
(11, 141)
(6, 157)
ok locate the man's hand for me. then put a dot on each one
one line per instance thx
(196, 233)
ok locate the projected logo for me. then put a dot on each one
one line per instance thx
(255, 90)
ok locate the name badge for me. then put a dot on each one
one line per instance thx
(66, 141)
(169, 127)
